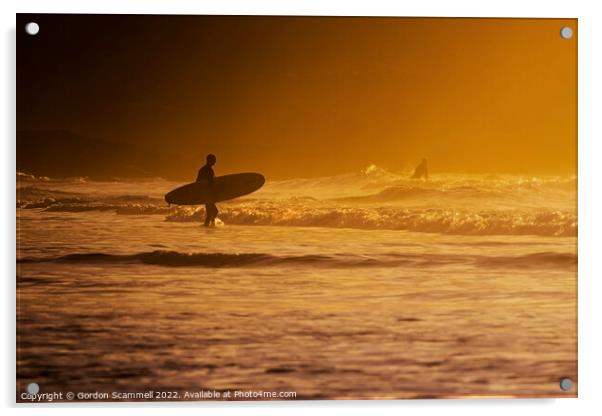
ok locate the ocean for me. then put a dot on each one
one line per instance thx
(365, 285)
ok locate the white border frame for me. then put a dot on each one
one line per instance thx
(590, 206)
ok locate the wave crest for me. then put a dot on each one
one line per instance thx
(444, 221)
(177, 259)
(220, 260)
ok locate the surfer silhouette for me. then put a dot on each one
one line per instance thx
(421, 170)
(206, 173)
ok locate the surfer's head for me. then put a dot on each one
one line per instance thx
(211, 159)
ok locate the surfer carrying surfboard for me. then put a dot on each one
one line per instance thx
(207, 173)
(208, 189)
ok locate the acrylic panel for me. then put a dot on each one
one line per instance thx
(295, 208)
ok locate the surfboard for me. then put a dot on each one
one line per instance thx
(224, 188)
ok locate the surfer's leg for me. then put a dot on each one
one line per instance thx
(212, 213)
(207, 214)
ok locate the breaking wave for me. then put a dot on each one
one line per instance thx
(53, 200)
(444, 221)
(219, 260)
(311, 213)
(371, 199)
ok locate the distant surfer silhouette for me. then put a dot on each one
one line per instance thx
(421, 170)
(206, 173)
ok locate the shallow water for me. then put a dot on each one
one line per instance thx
(110, 302)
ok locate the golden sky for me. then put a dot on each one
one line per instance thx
(303, 96)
